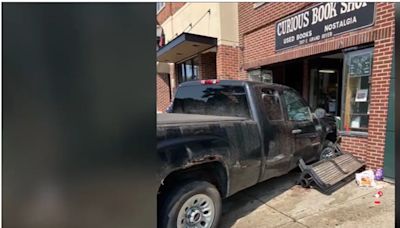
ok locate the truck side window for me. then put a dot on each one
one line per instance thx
(272, 104)
(296, 108)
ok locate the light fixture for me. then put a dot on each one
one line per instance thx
(327, 71)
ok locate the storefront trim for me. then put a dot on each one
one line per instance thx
(353, 134)
(343, 41)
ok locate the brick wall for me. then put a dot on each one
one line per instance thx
(257, 39)
(357, 146)
(227, 62)
(207, 66)
(163, 94)
(251, 18)
(169, 9)
(261, 18)
(380, 84)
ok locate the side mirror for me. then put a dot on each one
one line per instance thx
(320, 113)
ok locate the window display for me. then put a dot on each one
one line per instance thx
(357, 72)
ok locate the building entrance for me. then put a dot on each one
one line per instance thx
(325, 83)
(338, 82)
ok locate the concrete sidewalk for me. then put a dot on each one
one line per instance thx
(280, 203)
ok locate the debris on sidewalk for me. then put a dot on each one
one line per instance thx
(379, 174)
(328, 175)
(378, 194)
(366, 179)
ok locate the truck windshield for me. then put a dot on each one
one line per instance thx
(216, 100)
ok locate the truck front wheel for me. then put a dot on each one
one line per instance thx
(194, 204)
(330, 150)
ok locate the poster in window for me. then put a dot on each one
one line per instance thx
(362, 95)
(360, 65)
(355, 122)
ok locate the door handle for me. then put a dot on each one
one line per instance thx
(296, 131)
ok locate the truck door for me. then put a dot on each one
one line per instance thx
(277, 139)
(303, 129)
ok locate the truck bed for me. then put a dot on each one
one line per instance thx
(184, 140)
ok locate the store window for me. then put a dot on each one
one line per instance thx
(160, 6)
(356, 90)
(188, 70)
(261, 75)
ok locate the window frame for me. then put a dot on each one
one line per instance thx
(354, 131)
(182, 74)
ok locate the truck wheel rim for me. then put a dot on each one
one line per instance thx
(327, 153)
(197, 211)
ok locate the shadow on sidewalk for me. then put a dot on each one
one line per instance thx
(244, 202)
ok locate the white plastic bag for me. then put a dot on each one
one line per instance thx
(366, 179)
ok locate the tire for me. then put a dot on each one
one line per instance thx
(205, 213)
(328, 150)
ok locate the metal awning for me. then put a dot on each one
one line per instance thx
(185, 46)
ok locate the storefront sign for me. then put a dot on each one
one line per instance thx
(323, 21)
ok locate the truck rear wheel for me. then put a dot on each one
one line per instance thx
(195, 204)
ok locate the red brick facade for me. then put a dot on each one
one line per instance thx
(252, 20)
(227, 62)
(163, 92)
(207, 66)
(357, 146)
(257, 39)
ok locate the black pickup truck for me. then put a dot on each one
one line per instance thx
(225, 136)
